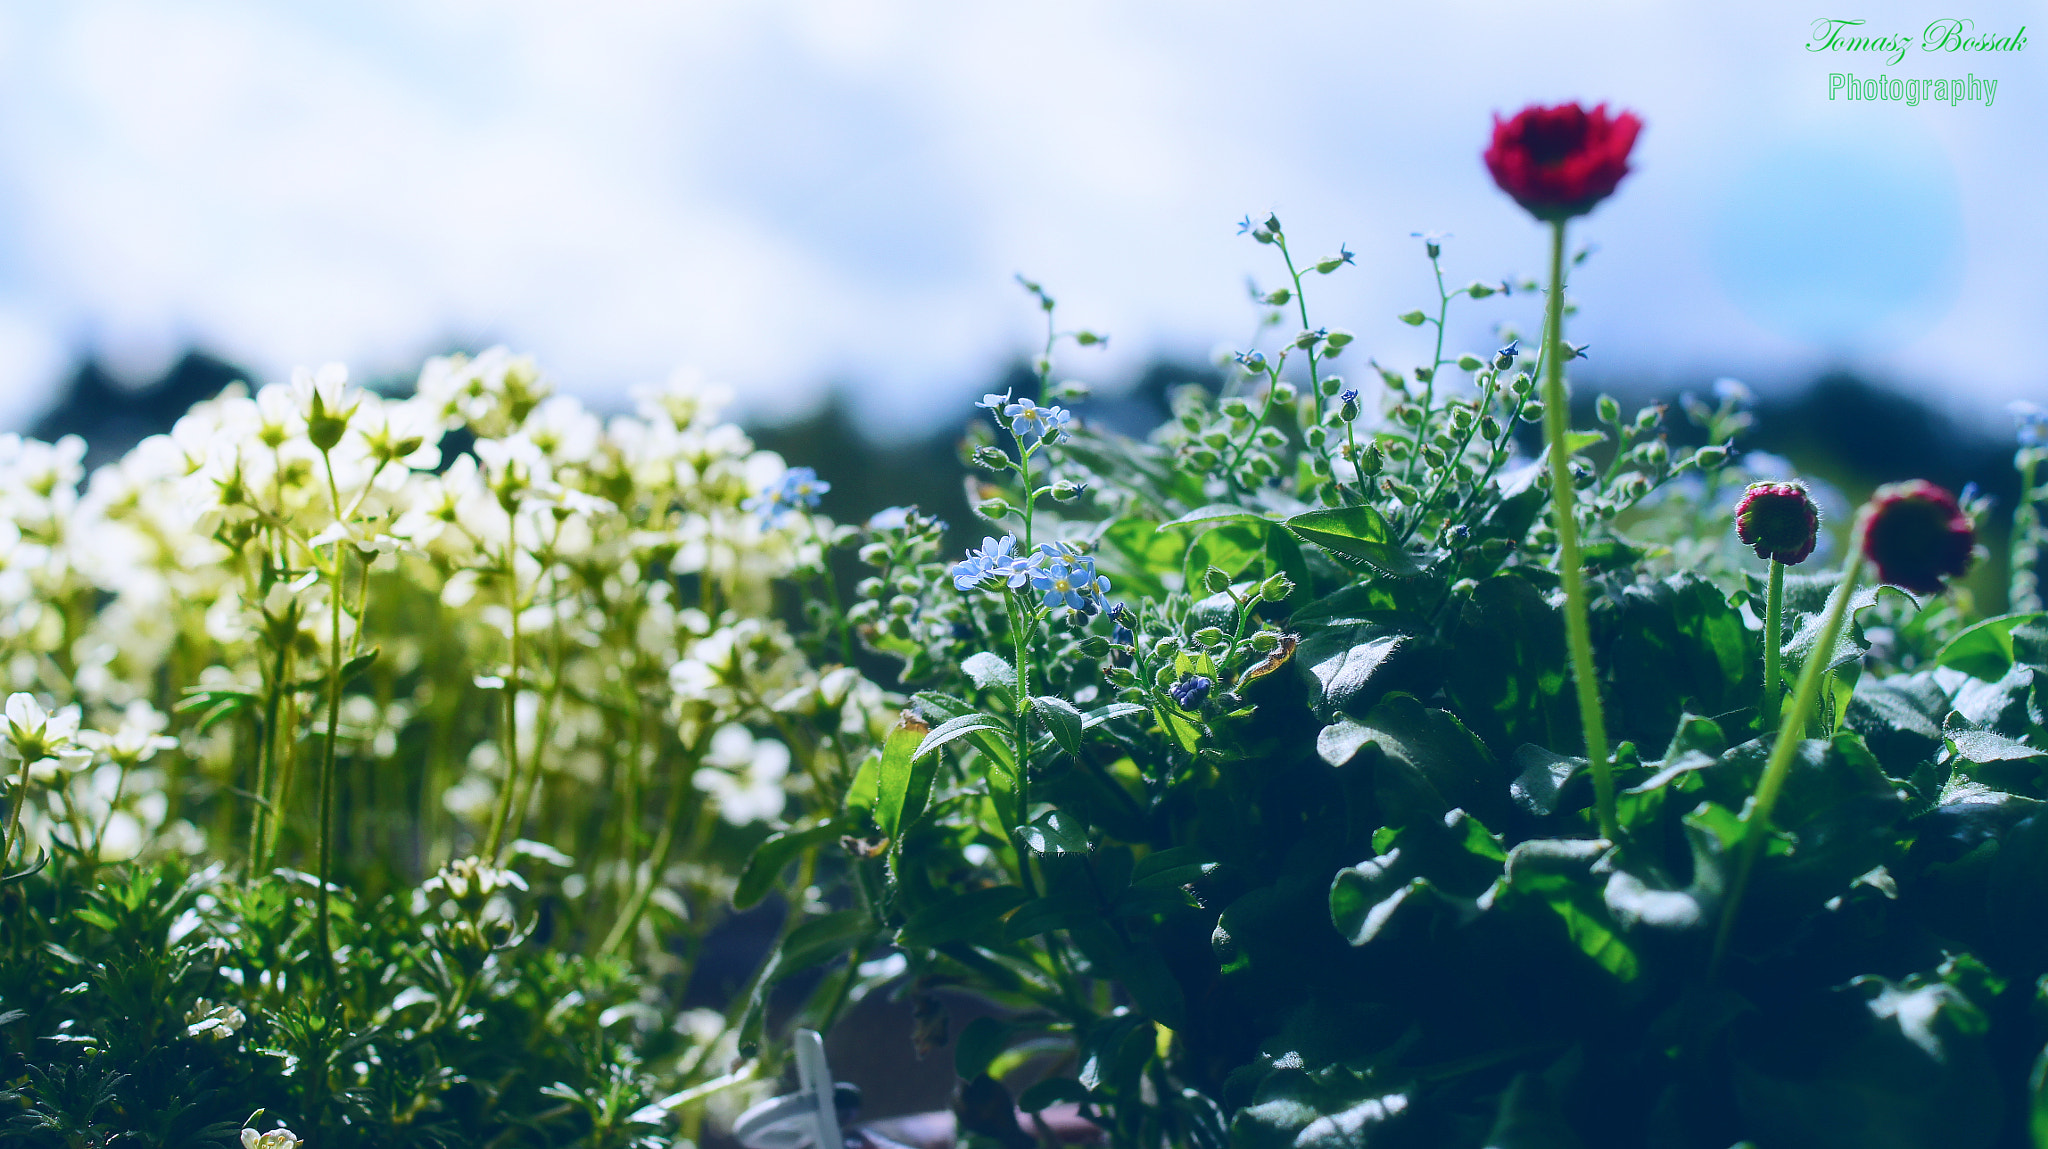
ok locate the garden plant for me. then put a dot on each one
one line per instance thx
(1371, 761)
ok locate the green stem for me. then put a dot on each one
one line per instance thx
(505, 812)
(1022, 736)
(1774, 619)
(7, 840)
(1578, 634)
(334, 597)
(1791, 731)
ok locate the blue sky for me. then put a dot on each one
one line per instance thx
(789, 195)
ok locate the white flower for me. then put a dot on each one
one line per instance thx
(215, 1022)
(34, 734)
(138, 739)
(321, 391)
(278, 1138)
(744, 775)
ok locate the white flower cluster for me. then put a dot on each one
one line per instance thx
(602, 571)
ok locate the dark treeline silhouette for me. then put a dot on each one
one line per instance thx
(1854, 432)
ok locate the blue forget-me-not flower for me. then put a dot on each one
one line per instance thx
(1031, 423)
(799, 488)
(2033, 419)
(996, 558)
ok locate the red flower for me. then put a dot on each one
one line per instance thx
(1917, 535)
(1558, 162)
(1779, 520)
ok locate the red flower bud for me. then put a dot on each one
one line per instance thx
(1559, 162)
(1917, 535)
(1779, 520)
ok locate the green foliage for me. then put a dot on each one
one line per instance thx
(155, 1006)
(1361, 900)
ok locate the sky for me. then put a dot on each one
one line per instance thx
(793, 195)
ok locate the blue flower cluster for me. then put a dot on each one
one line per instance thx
(1029, 422)
(2033, 420)
(1062, 575)
(798, 489)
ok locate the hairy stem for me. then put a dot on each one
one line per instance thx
(1774, 621)
(1578, 633)
(1757, 820)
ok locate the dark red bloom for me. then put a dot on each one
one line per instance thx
(1779, 520)
(1558, 162)
(1917, 536)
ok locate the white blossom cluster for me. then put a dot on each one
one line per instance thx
(483, 535)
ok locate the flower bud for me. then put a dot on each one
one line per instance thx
(903, 606)
(875, 554)
(1413, 318)
(1478, 290)
(1066, 490)
(991, 458)
(1607, 409)
(1489, 427)
(1408, 415)
(1779, 520)
(1264, 641)
(1424, 374)
(1190, 692)
(1208, 636)
(1710, 458)
(1469, 362)
(1308, 339)
(1216, 580)
(1073, 390)
(1532, 411)
(869, 588)
(1094, 646)
(1236, 408)
(1916, 535)
(1523, 383)
(1315, 437)
(1336, 339)
(1331, 385)
(1283, 392)
(992, 508)
(1370, 461)
(1399, 490)
(1394, 380)
(1505, 357)
(1279, 298)
(1276, 588)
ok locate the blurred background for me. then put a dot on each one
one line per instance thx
(823, 203)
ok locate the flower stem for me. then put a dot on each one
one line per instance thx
(7, 840)
(505, 813)
(334, 597)
(1774, 621)
(1756, 820)
(1578, 633)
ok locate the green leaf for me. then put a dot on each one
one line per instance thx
(966, 726)
(866, 788)
(1050, 1092)
(1216, 513)
(906, 774)
(1430, 762)
(1360, 534)
(1873, 1065)
(1143, 558)
(2038, 1087)
(1053, 834)
(1558, 872)
(772, 855)
(358, 664)
(1985, 649)
(1041, 915)
(1530, 1119)
(1509, 674)
(974, 916)
(1172, 867)
(1350, 666)
(823, 938)
(1145, 975)
(1233, 549)
(1672, 647)
(1062, 721)
(1102, 714)
(990, 671)
(978, 1045)
(993, 741)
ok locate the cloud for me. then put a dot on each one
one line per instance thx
(789, 194)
